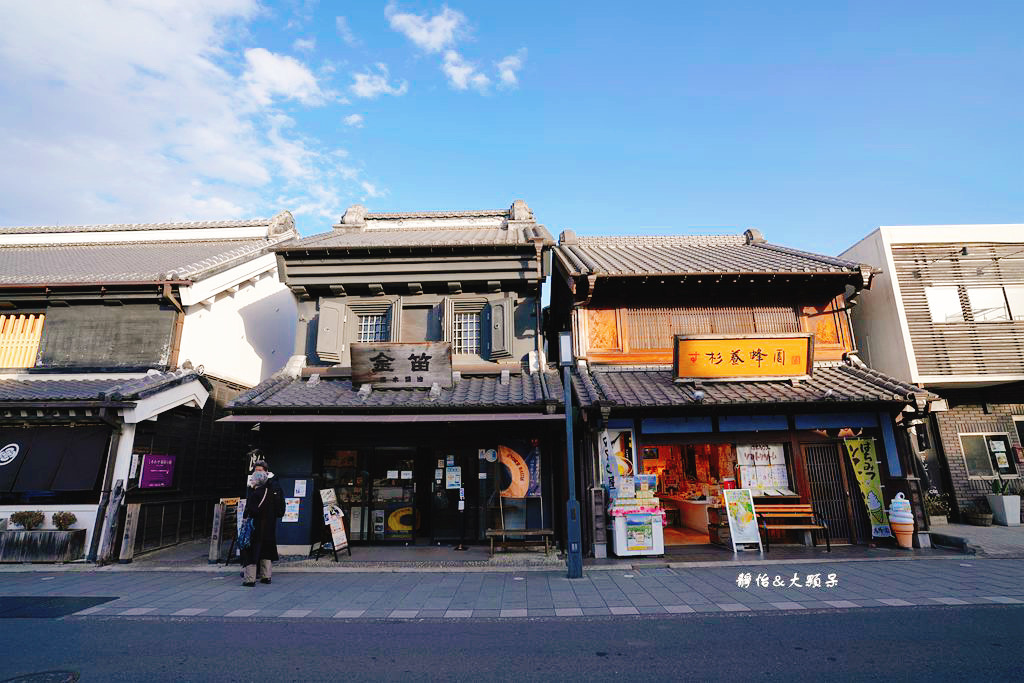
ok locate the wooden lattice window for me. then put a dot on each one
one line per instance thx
(19, 339)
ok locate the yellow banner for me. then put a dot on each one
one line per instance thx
(742, 357)
(865, 465)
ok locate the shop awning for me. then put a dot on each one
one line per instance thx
(51, 458)
(419, 417)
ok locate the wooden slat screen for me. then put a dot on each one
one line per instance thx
(654, 328)
(960, 348)
(19, 339)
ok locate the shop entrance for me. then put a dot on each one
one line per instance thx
(691, 477)
(406, 494)
(830, 489)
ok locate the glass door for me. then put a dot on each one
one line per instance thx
(393, 494)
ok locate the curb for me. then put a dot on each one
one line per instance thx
(955, 542)
(81, 567)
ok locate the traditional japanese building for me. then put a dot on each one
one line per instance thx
(948, 315)
(119, 347)
(716, 361)
(418, 391)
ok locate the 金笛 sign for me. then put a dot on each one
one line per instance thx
(402, 365)
(716, 358)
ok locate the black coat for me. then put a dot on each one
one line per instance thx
(264, 519)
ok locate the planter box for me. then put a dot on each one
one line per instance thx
(1005, 509)
(937, 520)
(42, 545)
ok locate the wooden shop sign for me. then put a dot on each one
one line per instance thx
(723, 358)
(401, 366)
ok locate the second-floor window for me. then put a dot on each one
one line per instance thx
(953, 304)
(466, 333)
(373, 328)
(20, 336)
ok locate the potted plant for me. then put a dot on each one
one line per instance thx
(937, 506)
(974, 514)
(1005, 505)
(32, 544)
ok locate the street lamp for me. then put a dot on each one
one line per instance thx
(574, 556)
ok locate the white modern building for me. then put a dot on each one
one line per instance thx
(947, 314)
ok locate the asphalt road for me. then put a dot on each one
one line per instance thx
(912, 643)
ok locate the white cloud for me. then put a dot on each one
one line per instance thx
(345, 31)
(269, 74)
(431, 34)
(462, 74)
(131, 110)
(372, 190)
(371, 85)
(509, 67)
(304, 44)
(354, 120)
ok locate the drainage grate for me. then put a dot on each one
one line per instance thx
(44, 606)
(46, 677)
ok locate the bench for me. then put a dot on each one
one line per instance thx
(796, 516)
(532, 536)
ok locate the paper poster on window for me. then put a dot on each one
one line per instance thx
(618, 455)
(998, 448)
(291, 509)
(300, 488)
(520, 470)
(865, 466)
(453, 477)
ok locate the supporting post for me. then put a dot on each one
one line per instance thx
(574, 554)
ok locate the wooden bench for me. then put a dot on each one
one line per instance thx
(798, 516)
(532, 536)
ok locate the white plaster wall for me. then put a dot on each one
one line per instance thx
(86, 514)
(244, 336)
(877, 322)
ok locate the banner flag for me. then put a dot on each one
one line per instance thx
(864, 459)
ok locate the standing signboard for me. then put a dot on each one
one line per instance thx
(739, 509)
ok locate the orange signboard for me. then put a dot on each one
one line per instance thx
(712, 358)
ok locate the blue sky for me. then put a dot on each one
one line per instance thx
(814, 122)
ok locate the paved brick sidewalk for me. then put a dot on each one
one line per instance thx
(532, 594)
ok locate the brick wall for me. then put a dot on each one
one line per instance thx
(972, 417)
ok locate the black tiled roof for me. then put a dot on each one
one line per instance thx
(125, 262)
(690, 255)
(13, 391)
(470, 393)
(654, 388)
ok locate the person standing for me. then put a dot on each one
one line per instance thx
(264, 503)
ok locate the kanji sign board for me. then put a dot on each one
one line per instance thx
(718, 358)
(400, 366)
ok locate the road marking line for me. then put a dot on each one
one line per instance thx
(136, 611)
(349, 613)
(242, 613)
(894, 602)
(998, 598)
(949, 601)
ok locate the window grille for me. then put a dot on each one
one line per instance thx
(466, 333)
(373, 328)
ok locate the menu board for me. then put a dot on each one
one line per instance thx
(739, 508)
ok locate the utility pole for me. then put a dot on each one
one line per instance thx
(574, 556)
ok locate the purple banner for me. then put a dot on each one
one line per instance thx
(157, 472)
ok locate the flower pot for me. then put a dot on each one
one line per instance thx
(978, 518)
(42, 545)
(1005, 509)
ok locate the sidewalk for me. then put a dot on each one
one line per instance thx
(988, 541)
(300, 594)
